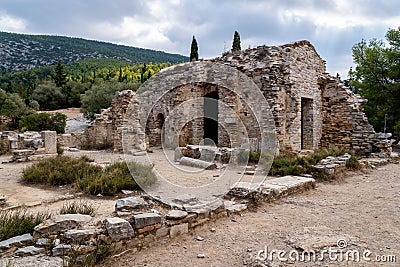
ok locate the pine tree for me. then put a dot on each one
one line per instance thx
(236, 42)
(60, 77)
(194, 50)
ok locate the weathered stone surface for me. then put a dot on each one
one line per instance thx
(61, 249)
(62, 222)
(16, 241)
(185, 199)
(130, 203)
(29, 251)
(146, 219)
(33, 261)
(176, 214)
(80, 234)
(50, 141)
(179, 229)
(197, 163)
(118, 228)
(287, 185)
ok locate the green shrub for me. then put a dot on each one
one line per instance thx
(294, 165)
(353, 163)
(88, 178)
(59, 171)
(77, 207)
(243, 156)
(43, 121)
(117, 177)
(19, 222)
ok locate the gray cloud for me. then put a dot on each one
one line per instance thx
(332, 26)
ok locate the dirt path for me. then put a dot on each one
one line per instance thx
(364, 210)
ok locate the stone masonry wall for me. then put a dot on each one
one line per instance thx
(285, 74)
(310, 108)
(344, 122)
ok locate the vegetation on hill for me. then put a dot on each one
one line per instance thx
(377, 78)
(29, 51)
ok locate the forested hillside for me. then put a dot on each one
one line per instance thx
(21, 51)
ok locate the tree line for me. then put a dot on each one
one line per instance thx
(376, 77)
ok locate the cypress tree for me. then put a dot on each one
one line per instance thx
(194, 50)
(236, 42)
(60, 77)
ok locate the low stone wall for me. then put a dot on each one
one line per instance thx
(141, 221)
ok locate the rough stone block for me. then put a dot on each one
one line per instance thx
(50, 141)
(62, 222)
(176, 214)
(118, 228)
(130, 203)
(179, 229)
(16, 241)
(146, 219)
(28, 251)
(61, 249)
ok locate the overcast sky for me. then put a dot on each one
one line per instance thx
(332, 26)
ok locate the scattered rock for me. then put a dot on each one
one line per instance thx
(199, 238)
(201, 256)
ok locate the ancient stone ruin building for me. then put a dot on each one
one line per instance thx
(310, 109)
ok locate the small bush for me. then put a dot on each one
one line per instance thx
(77, 207)
(19, 222)
(353, 163)
(294, 165)
(88, 178)
(243, 156)
(43, 121)
(102, 250)
(59, 171)
(117, 177)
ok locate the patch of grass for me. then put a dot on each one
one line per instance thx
(102, 250)
(78, 207)
(353, 164)
(294, 165)
(19, 222)
(88, 178)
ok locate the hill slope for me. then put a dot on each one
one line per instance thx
(21, 51)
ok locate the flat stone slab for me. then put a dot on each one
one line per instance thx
(287, 185)
(29, 251)
(80, 235)
(16, 241)
(197, 163)
(146, 219)
(61, 249)
(185, 199)
(130, 203)
(62, 222)
(176, 214)
(118, 228)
